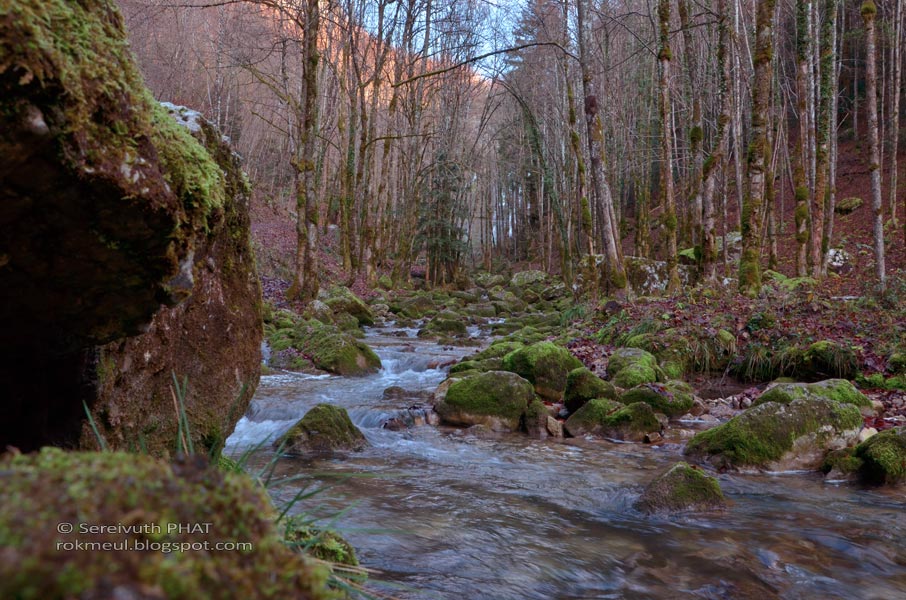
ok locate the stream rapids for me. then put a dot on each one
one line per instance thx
(440, 513)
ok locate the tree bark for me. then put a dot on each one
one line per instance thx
(869, 10)
(667, 188)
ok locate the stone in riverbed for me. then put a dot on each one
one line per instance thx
(545, 365)
(496, 399)
(610, 419)
(883, 457)
(673, 398)
(341, 300)
(323, 430)
(582, 385)
(779, 437)
(682, 488)
(837, 390)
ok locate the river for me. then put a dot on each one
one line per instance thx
(444, 514)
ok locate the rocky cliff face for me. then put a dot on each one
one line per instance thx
(124, 253)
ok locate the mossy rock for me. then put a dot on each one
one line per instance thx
(346, 322)
(673, 398)
(544, 364)
(415, 307)
(883, 457)
(838, 390)
(535, 419)
(896, 364)
(316, 309)
(622, 358)
(445, 323)
(635, 375)
(682, 488)
(341, 300)
(385, 282)
(484, 310)
(489, 280)
(611, 419)
(334, 351)
(50, 487)
(828, 359)
(582, 385)
(841, 464)
(498, 349)
(847, 205)
(527, 278)
(527, 335)
(302, 535)
(324, 429)
(779, 437)
(496, 399)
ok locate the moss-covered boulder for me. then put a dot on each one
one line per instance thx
(124, 235)
(497, 349)
(324, 429)
(544, 364)
(328, 348)
(527, 278)
(487, 364)
(673, 398)
(622, 358)
(341, 300)
(896, 364)
(414, 307)
(610, 419)
(779, 437)
(582, 385)
(142, 499)
(495, 399)
(883, 457)
(445, 323)
(847, 205)
(682, 488)
(838, 390)
(828, 359)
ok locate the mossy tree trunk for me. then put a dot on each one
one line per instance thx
(869, 10)
(305, 281)
(827, 89)
(696, 130)
(752, 209)
(667, 188)
(801, 189)
(615, 274)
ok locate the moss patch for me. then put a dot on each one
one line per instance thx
(612, 419)
(838, 390)
(582, 385)
(495, 398)
(673, 398)
(51, 487)
(883, 457)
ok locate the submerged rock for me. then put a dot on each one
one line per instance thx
(607, 418)
(682, 488)
(582, 385)
(324, 429)
(144, 496)
(496, 399)
(545, 365)
(779, 437)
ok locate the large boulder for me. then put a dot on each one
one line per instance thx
(323, 430)
(328, 348)
(629, 367)
(527, 278)
(779, 437)
(141, 500)
(546, 365)
(883, 457)
(649, 277)
(124, 247)
(495, 399)
(682, 488)
(673, 398)
(838, 390)
(582, 385)
(610, 419)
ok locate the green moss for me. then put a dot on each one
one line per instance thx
(498, 349)
(896, 364)
(612, 419)
(582, 385)
(300, 534)
(847, 205)
(829, 358)
(673, 398)
(544, 364)
(842, 461)
(445, 325)
(838, 390)
(682, 488)
(591, 415)
(635, 374)
(341, 300)
(51, 487)
(328, 348)
(324, 429)
(624, 357)
(764, 433)
(883, 457)
(501, 395)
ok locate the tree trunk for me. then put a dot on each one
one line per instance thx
(894, 133)
(752, 212)
(667, 188)
(827, 89)
(869, 11)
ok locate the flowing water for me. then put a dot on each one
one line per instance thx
(441, 513)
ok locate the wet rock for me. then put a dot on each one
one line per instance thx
(545, 365)
(399, 394)
(672, 398)
(323, 430)
(629, 367)
(327, 347)
(44, 489)
(445, 323)
(653, 437)
(779, 437)
(497, 349)
(582, 385)
(883, 457)
(554, 427)
(527, 278)
(682, 488)
(610, 419)
(497, 399)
